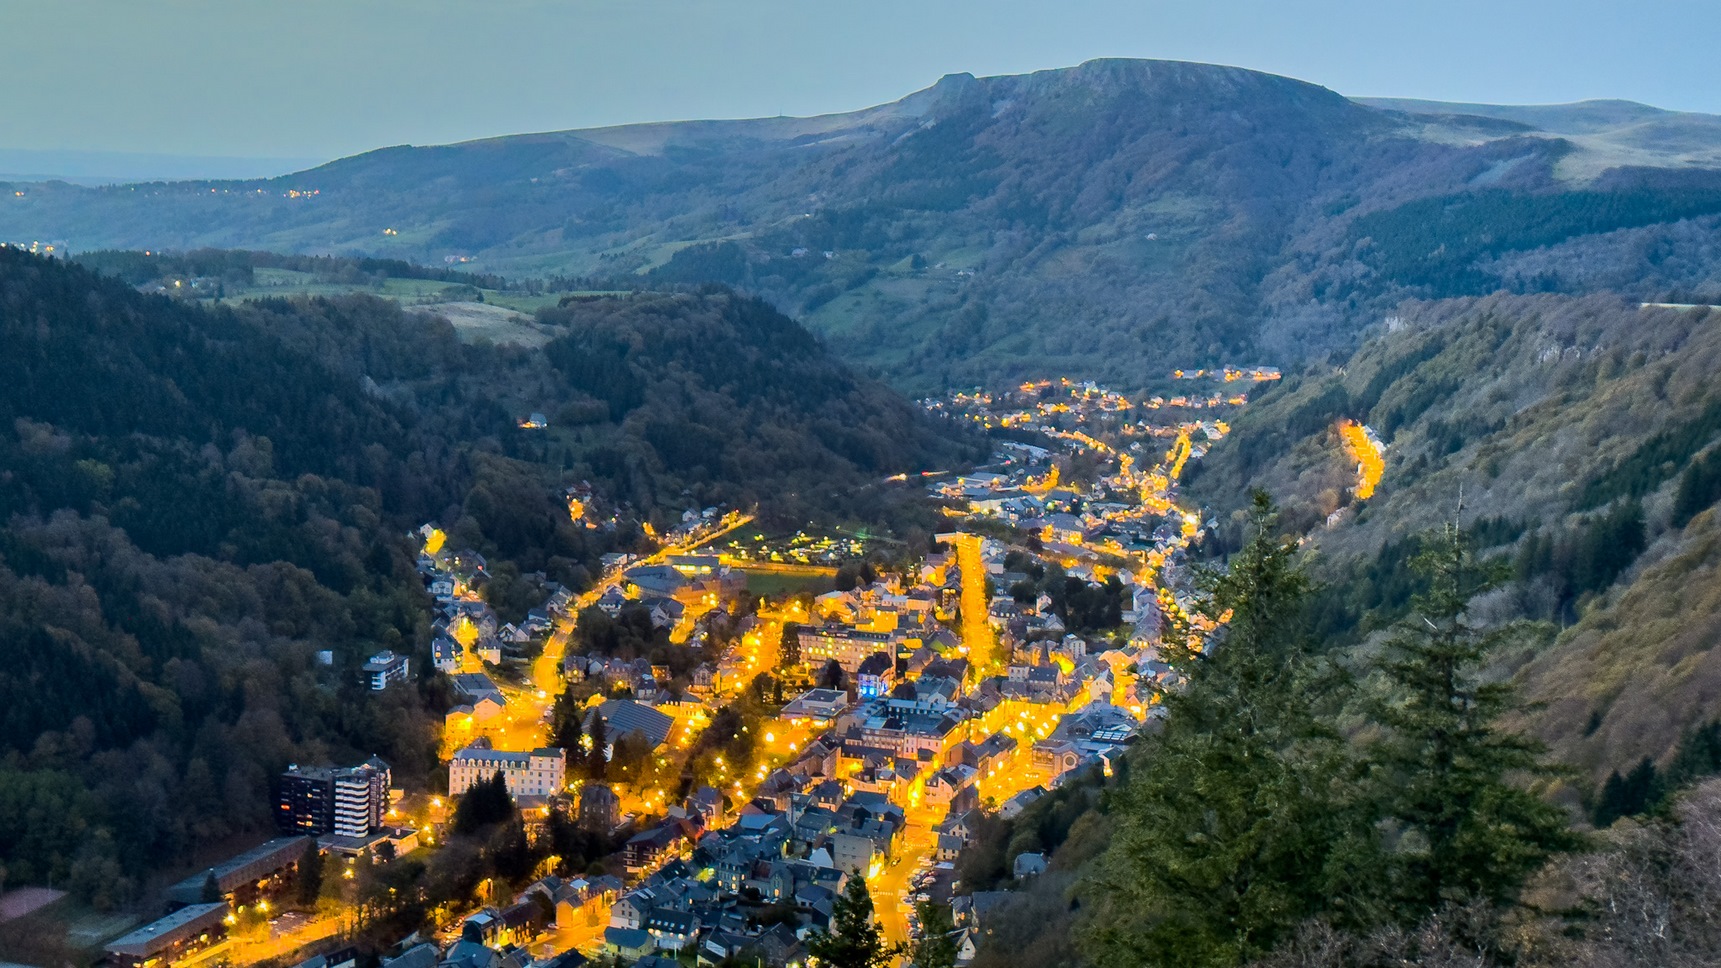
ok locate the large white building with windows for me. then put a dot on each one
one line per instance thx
(535, 774)
(848, 647)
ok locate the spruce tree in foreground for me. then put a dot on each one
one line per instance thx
(1445, 765)
(1240, 823)
(854, 940)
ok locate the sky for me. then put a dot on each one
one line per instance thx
(318, 79)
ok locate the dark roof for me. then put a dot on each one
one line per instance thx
(665, 919)
(622, 716)
(253, 865)
(417, 956)
(187, 922)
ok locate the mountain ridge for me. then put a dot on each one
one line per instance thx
(1117, 219)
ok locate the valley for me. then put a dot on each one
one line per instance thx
(1137, 514)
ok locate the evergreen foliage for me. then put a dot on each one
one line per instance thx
(1444, 764)
(854, 941)
(1628, 796)
(1699, 488)
(310, 876)
(597, 758)
(1241, 828)
(198, 500)
(486, 804)
(565, 730)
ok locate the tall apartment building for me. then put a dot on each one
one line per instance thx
(350, 801)
(535, 774)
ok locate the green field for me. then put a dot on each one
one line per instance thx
(768, 584)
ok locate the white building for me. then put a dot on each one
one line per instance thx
(386, 667)
(535, 774)
(361, 799)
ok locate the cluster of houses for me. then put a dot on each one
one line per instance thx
(466, 628)
(675, 592)
(755, 887)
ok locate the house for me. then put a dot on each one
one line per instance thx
(630, 944)
(1013, 807)
(445, 655)
(671, 930)
(645, 849)
(1028, 865)
(952, 788)
(613, 601)
(600, 808)
(966, 947)
(417, 956)
(666, 612)
(855, 852)
(472, 686)
(521, 923)
(631, 909)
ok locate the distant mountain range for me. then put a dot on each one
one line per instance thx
(1116, 219)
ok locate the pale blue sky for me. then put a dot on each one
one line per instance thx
(322, 78)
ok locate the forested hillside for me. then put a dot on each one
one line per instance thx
(1114, 220)
(198, 501)
(1573, 438)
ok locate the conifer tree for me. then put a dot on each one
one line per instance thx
(568, 733)
(854, 940)
(310, 875)
(1242, 827)
(597, 760)
(1444, 764)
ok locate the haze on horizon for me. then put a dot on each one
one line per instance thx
(319, 79)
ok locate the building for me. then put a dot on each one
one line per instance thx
(386, 668)
(535, 774)
(600, 808)
(876, 675)
(361, 799)
(624, 716)
(847, 646)
(647, 848)
(349, 801)
(817, 706)
(185, 932)
(262, 872)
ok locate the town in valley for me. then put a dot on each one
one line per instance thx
(742, 723)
